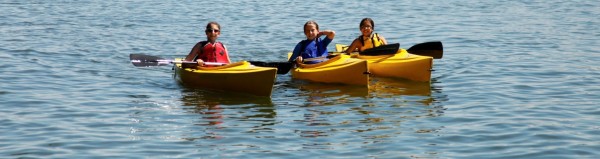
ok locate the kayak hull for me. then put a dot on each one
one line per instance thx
(340, 70)
(400, 65)
(240, 77)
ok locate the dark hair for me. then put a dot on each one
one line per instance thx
(311, 22)
(211, 23)
(367, 20)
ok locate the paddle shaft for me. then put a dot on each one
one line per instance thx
(141, 60)
(204, 63)
(166, 61)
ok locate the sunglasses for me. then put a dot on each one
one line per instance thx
(211, 30)
(366, 27)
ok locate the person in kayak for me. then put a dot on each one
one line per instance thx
(368, 39)
(210, 50)
(313, 46)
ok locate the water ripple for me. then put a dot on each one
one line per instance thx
(519, 79)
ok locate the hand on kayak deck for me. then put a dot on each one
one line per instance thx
(200, 62)
(191, 64)
(299, 60)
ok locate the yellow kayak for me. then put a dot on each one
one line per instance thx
(239, 77)
(340, 69)
(400, 65)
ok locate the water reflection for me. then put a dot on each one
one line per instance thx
(318, 94)
(372, 111)
(381, 87)
(314, 122)
(202, 97)
(216, 108)
(386, 87)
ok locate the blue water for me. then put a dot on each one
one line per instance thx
(519, 79)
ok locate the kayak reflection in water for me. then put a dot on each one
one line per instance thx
(313, 46)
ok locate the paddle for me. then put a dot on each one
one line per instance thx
(282, 67)
(434, 49)
(388, 49)
(141, 60)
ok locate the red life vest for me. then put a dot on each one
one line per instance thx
(212, 52)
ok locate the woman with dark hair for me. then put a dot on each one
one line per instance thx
(368, 39)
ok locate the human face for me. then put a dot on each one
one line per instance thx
(212, 33)
(311, 31)
(366, 28)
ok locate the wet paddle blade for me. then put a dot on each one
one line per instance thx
(434, 49)
(141, 60)
(282, 67)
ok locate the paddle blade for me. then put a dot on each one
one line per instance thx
(282, 67)
(141, 60)
(433, 49)
(388, 49)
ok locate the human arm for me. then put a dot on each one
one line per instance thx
(383, 41)
(354, 46)
(194, 52)
(296, 53)
(329, 33)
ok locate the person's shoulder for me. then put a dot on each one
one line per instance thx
(201, 43)
(356, 40)
(301, 42)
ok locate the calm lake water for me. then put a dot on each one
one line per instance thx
(519, 79)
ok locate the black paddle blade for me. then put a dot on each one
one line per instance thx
(141, 60)
(282, 67)
(388, 49)
(434, 49)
